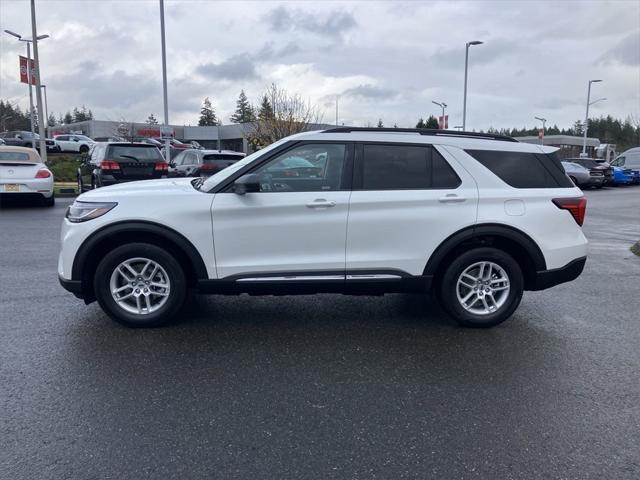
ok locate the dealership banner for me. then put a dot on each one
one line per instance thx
(23, 71)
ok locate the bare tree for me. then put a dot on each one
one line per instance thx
(289, 114)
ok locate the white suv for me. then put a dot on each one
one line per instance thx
(74, 143)
(476, 218)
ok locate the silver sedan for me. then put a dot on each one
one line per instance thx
(578, 174)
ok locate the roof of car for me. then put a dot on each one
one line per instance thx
(464, 140)
(34, 156)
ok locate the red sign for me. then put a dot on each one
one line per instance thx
(443, 122)
(148, 132)
(23, 71)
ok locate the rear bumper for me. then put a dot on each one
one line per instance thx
(73, 286)
(549, 278)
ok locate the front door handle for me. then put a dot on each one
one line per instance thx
(452, 198)
(321, 203)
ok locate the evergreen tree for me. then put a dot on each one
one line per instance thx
(207, 114)
(152, 120)
(266, 110)
(51, 121)
(432, 122)
(420, 123)
(380, 124)
(244, 111)
(68, 118)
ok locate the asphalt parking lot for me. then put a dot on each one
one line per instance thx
(322, 386)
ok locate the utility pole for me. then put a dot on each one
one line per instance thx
(34, 33)
(167, 142)
(46, 111)
(586, 119)
(337, 97)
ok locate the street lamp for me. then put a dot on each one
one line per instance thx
(544, 122)
(29, 79)
(586, 119)
(466, 69)
(443, 106)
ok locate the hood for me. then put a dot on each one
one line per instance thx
(153, 188)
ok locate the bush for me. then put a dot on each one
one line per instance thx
(64, 168)
(635, 248)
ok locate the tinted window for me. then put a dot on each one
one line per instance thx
(524, 169)
(306, 168)
(405, 167)
(143, 154)
(220, 156)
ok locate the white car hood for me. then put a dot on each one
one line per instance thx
(151, 188)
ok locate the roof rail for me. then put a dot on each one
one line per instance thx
(423, 131)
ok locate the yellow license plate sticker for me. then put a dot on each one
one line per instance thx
(12, 187)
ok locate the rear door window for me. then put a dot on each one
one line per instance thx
(403, 167)
(524, 169)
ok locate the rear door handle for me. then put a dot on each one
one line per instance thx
(321, 203)
(452, 198)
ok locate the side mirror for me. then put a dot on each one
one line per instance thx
(247, 184)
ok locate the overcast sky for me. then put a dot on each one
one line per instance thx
(386, 60)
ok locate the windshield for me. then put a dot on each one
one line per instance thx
(141, 153)
(222, 174)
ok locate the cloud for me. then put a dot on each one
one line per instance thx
(370, 92)
(333, 24)
(238, 67)
(626, 52)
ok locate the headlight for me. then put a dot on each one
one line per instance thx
(83, 211)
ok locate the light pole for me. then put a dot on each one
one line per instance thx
(443, 106)
(466, 69)
(36, 59)
(167, 143)
(337, 98)
(544, 122)
(29, 79)
(46, 111)
(586, 119)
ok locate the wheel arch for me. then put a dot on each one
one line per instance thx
(515, 242)
(105, 239)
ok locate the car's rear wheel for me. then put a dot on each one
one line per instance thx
(140, 285)
(84, 149)
(482, 287)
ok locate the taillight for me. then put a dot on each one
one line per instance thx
(161, 167)
(577, 207)
(43, 173)
(109, 165)
(209, 167)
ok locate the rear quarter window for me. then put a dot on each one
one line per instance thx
(524, 169)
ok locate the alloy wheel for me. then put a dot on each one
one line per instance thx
(140, 286)
(483, 288)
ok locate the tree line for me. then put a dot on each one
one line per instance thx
(12, 117)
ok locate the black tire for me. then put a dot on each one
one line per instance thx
(167, 312)
(448, 287)
(50, 202)
(84, 149)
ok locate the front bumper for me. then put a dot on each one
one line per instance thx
(549, 278)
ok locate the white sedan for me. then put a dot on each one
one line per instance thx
(23, 173)
(74, 143)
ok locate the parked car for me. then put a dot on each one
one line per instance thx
(24, 138)
(196, 163)
(22, 173)
(583, 177)
(630, 162)
(622, 176)
(478, 218)
(117, 162)
(177, 144)
(594, 167)
(74, 143)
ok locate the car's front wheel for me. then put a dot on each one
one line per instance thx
(482, 287)
(140, 285)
